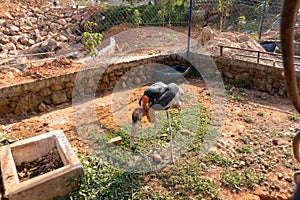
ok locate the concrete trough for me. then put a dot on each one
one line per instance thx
(52, 184)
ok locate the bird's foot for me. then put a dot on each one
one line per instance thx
(170, 161)
(153, 151)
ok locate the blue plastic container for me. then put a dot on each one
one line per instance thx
(169, 73)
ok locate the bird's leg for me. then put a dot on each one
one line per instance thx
(155, 131)
(153, 120)
(170, 132)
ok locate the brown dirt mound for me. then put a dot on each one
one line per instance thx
(46, 70)
(117, 29)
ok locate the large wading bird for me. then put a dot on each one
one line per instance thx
(157, 97)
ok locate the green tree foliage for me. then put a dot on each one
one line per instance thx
(224, 8)
(90, 39)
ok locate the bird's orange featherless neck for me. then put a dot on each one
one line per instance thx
(145, 100)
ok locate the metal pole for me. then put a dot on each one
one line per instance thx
(262, 19)
(189, 40)
(190, 23)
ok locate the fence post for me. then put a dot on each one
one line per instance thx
(190, 23)
(221, 50)
(262, 19)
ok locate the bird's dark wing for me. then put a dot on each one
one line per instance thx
(154, 92)
(163, 102)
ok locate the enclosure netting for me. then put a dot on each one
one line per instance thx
(252, 16)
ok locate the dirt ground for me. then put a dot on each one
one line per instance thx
(259, 120)
(269, 130)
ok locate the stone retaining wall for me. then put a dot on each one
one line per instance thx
(261, 77)
(36, 96)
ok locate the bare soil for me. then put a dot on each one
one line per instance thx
(253, 118)
(47, 163)
(48, 69)
(268, 132)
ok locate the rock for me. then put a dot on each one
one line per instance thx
(62, 22)
(25, 29)
(261, 85)
(124, 86)
(228, 74)
(14, 30)
(9, 46)
(206, 35)
(275, 141)
(28, 102)
(24, 40)
(63, 38)
(289, 179)
(19, 46)
(137, 80)
(45, 92)
(58, 97)
(42, 107)
(156, 157)
(282, 90)
(3, 22)
(6, 31)
(69, 85)
(242, 38)
(69, 30)
(279, 176)
(56, 86)
(33, 20)
(14, 39)
(115, 140)
(242, 76)
(8, 16)
(242, 163)
(187, 132)
(69, 19)
(4, 39)
(42, 33)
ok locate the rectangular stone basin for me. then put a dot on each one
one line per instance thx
(52, 184)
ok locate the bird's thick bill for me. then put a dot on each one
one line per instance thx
(134, 128)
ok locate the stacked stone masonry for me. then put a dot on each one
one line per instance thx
(257, 76)
(36, 96)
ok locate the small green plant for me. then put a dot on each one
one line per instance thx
(91, 39)
(241, 23)
(102, 181)
(248, 120)
(278, 133)
(170, 37)
(296, 167)
(4, 140)
(237, 97)
(232, 179)
(218, 159)
(236, 180)
(286, 151)
(294, 118)
(137, 17)
(244, 149)
(286, 164)
(261, 114)
(240, 114)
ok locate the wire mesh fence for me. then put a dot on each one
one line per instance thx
(251, 16)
